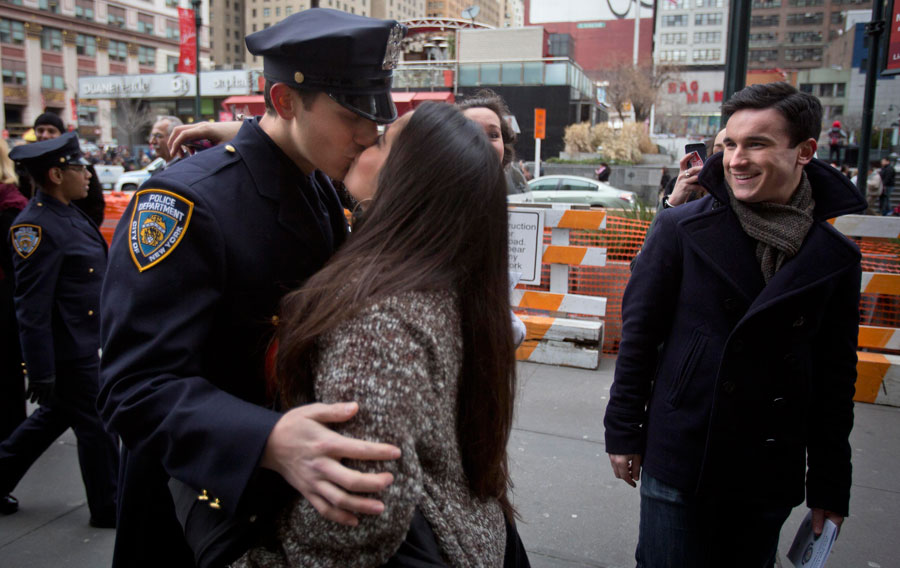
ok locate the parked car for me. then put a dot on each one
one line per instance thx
(575, 189)
(130, 181)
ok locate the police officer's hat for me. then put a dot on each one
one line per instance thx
(41, 156)
(351, 58)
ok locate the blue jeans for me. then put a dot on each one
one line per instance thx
(681, 530)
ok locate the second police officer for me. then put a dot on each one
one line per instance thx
(59, 258)
(199, 263)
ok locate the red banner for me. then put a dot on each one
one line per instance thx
(187, 63)
(892, 62)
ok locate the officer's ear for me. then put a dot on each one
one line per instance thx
(54, 175)
(284, 100)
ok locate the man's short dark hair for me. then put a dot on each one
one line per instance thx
(802, 111)
(306, 95)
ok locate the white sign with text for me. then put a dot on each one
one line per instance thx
(526, 244)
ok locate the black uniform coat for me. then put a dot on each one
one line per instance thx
(186, 325)
(751, 378)
(57, 285)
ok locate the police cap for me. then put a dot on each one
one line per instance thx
(38, 157)
(350, 58)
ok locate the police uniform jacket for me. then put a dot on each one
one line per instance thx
(59, 258)
(198, 264)
(751, 378)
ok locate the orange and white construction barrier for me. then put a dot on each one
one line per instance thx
(878, 379)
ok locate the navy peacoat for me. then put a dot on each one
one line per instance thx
(731, 387)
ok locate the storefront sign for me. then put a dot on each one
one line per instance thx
(693, 94)
(166, 85)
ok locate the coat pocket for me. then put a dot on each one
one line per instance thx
(686, 367)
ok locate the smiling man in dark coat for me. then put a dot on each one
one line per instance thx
(735, 377)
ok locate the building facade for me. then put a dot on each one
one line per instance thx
(489, 11)
(691, 33)
(227, 30)
(47, 45)
(793, 34)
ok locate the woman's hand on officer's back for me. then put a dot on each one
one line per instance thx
(215, 132)
(627, 467)
(308, 454)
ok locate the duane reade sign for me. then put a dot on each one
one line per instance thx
(526, 244)
(166, 85)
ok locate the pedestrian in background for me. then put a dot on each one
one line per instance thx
(12, 380)
(836, 138)
(733, 389)
(888, 175)
(59, 258)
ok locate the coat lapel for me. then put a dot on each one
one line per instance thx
(717, 237)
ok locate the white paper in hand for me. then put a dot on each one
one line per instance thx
(807, 551)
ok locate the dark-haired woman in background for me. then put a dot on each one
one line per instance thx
(410, 318)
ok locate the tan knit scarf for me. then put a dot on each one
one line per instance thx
(778, 229)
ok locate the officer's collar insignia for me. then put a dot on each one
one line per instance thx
(392, 52)
(25, 239)
(158, 222)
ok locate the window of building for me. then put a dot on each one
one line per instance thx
(173, 3)
(267, 12)
(145, 23)
(679, 21)
(708, 19)
(86, 45)
(171, 63)
(806, 19)
(804, 37)
(709, 3)
(763, 37)
(806, 88)
(84, 9)
(51, 39)
(254, 27)
(13, 72)
(763, 55)
(172, 31)
(764, 21)
(12, 32)
(49, 5)
(288, 10)
(52, 77)
(253, 12)
(118, 50)
(707, 54)
(278, 11)
(237, 49)
(673, 55)
(707, 37)
(804, 3)
(237, 20)
(237, 34)
(762, 4)
(146, 55)
(677, 38)
(837, 18)
(115, 16)
(806, 54)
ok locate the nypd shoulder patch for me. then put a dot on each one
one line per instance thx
(159, 221)
(25, 238)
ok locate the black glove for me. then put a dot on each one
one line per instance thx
(40, 390)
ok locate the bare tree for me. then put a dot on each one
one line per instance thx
(133, 118)
(636, 86)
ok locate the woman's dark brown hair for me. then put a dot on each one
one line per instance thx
(438, 222)
(486, 98)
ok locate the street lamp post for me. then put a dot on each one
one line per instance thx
(198, 22)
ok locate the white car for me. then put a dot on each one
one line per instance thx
(575, 189)
(130, 181)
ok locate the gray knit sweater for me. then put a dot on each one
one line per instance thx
(400, 359)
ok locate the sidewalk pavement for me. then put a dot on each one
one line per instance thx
(574, 512)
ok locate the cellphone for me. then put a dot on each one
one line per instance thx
(699, 151)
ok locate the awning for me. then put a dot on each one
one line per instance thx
(408, 100)
(250, 105)
(443, 96)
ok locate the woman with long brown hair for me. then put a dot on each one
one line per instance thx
(410, 319)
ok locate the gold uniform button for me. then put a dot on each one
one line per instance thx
(24, 371)
(215, 505)
(40, 204)
(90, 312)
(23, 363)
(203, 496)
(90, 270)
(298, 77)
(274, 320)
(229, 148)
